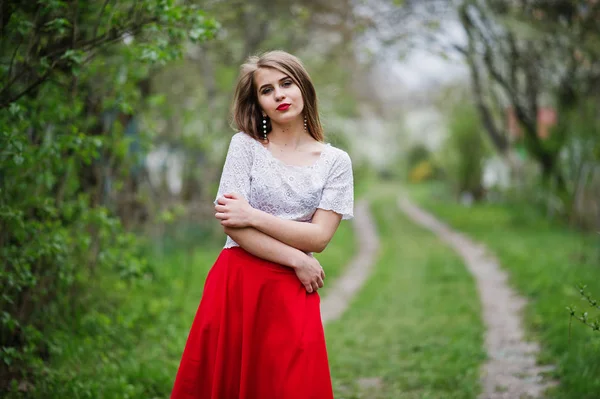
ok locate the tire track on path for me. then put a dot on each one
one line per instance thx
(511, 371)
(354, 276)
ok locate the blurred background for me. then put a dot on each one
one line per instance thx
(114, 124)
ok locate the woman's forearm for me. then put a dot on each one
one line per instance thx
(305, 236)
(266, 247)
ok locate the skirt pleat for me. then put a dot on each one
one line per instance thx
(257, 334)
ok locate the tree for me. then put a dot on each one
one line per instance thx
(512, 44)
(73, 77)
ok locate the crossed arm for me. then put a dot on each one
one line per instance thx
(234, 212)
(278, 240)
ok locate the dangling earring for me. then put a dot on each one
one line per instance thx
(305, 123)
(264, 127)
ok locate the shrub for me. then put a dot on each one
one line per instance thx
(68, 97)
(464, 151)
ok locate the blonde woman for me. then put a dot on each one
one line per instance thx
(258, 333)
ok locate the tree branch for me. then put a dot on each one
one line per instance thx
(99, 20)
(27, 90)
(487, 119)
(89, 45)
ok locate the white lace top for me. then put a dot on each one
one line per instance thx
(287, 191)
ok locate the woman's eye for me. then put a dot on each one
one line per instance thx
(265, 91)
(287, 83)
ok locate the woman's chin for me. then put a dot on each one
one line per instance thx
(286, 120)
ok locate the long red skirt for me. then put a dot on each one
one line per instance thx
(257, 334)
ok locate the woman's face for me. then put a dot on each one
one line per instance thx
(279, 97)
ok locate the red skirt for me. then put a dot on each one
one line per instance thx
(257, 334)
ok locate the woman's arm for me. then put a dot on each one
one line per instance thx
(236, 178)
(266, 247)
(234, 211)
(337, 200)
(308, 269)
(309, 237)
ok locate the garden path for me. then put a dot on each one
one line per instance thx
(511, 371)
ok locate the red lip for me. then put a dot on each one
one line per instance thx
(283, 107)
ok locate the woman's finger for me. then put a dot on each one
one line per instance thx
(221, 215)
(322, 274)
(308, 288)
(320, 282)
(315, 286)
(220, 208)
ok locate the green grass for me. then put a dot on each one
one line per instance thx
(130, 343)
(415, 327)
(132, 351)
(545, 261)
(337, 255)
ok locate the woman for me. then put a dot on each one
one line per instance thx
(258, 332)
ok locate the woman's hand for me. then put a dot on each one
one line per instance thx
(311, 274)
(234, 211)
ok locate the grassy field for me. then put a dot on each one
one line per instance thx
(414, 331)
(545, 262)
(337, 255)
(132, 350)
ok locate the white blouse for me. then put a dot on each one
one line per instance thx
(287, 191)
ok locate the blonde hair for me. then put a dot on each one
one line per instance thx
(246, 111)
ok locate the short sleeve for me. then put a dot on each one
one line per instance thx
(338, 192)
(236, 170)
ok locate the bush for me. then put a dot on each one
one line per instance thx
(578, 135)
(416, 155)
(420, 164)
(464, 151)
(66, 147)
(421, 172)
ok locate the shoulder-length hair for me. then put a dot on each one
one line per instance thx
(246, 112)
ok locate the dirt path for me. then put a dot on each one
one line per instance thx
(511, 371)
(348, 284)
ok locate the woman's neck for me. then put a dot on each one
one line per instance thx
(292, 135)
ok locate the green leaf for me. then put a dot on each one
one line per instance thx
(75, 56)
(150, 55)
(24, 27)
(15, 109)
(60, 25)
(197, 34)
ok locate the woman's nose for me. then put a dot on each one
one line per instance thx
(279, 95)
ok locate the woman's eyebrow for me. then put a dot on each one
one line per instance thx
(269, 84)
